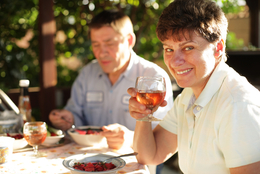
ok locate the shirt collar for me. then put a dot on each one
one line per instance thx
(213, 85)
(127, 72)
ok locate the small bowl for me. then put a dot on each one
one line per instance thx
(18, 143)
(52, 140)
(92, 157)
(87, 139)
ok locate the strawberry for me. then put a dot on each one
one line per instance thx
(53, 134)
(90, 131)
(82, 132)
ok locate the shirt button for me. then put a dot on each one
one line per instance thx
(198, 108)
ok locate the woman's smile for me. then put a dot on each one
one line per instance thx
(183, 71)
(190, 59)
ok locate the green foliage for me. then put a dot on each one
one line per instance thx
(233, 43)
(19, 22)
(17, 17)
(230, 6)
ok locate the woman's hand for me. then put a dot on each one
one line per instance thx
(138, 110)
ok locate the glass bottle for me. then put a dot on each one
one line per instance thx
(24, 100)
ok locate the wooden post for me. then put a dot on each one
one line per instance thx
(48, 75)
(254, 9)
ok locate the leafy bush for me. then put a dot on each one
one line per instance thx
(19, 45)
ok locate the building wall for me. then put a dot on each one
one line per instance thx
(240, 25)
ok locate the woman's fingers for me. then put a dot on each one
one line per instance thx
(136, 109)
(132, 92)
(164, 103)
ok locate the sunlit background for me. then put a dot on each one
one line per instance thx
(19, 44)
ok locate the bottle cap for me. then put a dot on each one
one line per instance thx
(24, 83)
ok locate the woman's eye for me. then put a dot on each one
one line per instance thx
(188, 48)
(168, 50)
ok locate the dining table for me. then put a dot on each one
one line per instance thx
(51, 159)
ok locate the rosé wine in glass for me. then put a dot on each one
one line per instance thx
(150, 99)
(35, 134)
(151, 92)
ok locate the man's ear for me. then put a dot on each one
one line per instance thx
(219, 48)
(131, 40)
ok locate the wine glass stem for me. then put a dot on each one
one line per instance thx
(150, 116)
(35, 149)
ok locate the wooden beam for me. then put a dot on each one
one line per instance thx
(48, 75)
(254, 9)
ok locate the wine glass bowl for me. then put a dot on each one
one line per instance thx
(35, 133)
(151, 92)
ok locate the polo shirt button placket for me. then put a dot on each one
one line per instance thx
(111, 111)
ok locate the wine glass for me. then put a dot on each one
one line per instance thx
(35, 133)
(150, 92)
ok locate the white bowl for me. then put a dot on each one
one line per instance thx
(87, 139)
(51, 140)
(19, 143)
(92, 157)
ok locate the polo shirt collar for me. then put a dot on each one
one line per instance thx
(213, 85)
(127, 72)
(208, 92)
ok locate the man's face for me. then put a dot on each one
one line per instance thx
(191, 61)
(111, 49)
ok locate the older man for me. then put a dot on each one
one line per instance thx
(99, 94)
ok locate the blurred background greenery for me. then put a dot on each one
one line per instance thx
(19, 45)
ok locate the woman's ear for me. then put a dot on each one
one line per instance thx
(219, 48)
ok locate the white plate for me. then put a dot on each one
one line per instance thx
(92, 157)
